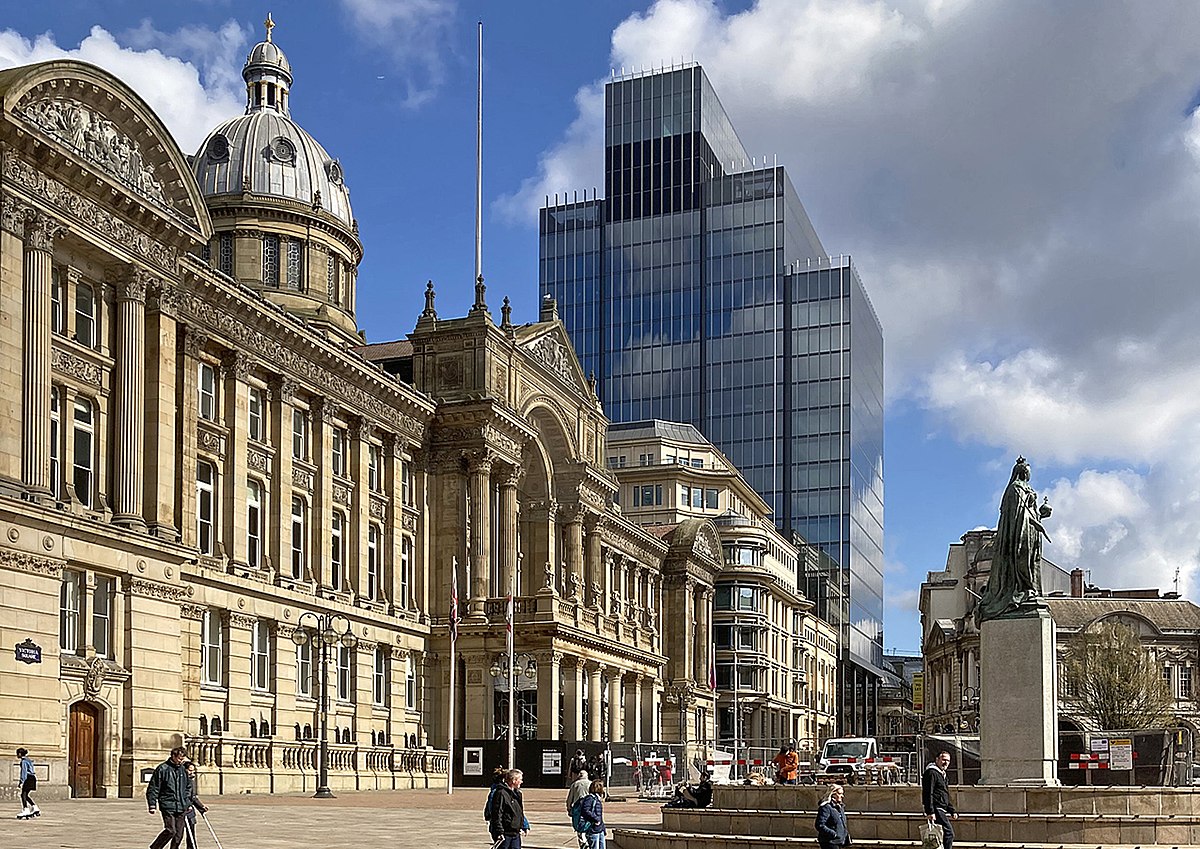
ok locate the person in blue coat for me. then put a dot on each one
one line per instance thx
(28, 782)
(591, 815)
(832, 830)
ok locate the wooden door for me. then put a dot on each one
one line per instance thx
(83, 750)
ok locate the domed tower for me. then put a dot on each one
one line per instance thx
(279, 204)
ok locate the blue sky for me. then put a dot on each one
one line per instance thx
(1021, 195)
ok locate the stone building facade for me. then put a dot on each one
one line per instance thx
(776, 660)
(199, 458)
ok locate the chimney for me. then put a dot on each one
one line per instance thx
(1076, 583)
(549, 310)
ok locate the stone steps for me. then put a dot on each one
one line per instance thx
(631, 838)
(1006, 828)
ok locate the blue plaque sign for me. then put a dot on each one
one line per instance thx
(28, 652)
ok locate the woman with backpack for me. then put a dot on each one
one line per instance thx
(591, 815)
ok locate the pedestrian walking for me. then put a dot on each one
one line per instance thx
(28, 782)
(591, 814)
(787, 764)
(497, 782)
(935, 797)
(577, 765)
(508, 811)
(575, 795)
(832, 829)
(170, 792)
(194, 804)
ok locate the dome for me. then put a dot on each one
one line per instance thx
(264, 152)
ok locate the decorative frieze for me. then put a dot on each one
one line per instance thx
(77, 207)
(162, 299)
(153, 589)
(552, 354)
(378, 507)
(23, 562)
(76, 367)
(194, 612)
(210, 441)
(258, 460)
(341, 493)
(302, 478)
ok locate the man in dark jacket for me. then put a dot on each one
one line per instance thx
(170, 790)
(508, 811)
(832, 830)
(935, 797)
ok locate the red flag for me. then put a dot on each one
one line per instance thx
(454, 599)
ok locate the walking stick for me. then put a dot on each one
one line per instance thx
(210, 831)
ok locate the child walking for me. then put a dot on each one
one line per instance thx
(28, 781)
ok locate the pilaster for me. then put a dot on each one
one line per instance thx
(129, 431)
(549, 664)
(162, 414)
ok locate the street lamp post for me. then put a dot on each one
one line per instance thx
(511, 669)
(970, 703)
(323, 631)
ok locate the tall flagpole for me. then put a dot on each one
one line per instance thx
(453, 664)
(479, 170)
(512, 678)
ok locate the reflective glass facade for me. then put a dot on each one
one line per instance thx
(694, 292)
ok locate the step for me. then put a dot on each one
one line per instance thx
(1007, 828)
(634, 838)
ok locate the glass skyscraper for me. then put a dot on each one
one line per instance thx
(697, 290)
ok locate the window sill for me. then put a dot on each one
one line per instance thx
(213, 690)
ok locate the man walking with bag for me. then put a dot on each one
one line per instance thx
(935, 797)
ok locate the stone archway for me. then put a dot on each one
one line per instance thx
(541, 459)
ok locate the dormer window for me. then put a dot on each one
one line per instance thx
(282, 150)
(218, 148)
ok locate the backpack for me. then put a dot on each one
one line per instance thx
(487, 806)
(577, 822)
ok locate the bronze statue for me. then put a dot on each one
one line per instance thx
(1015, 580)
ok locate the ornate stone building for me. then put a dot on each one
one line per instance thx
(199, 458)
(775, 659)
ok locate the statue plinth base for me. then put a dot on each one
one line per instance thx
(1018, 729)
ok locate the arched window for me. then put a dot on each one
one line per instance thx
(203, 725)
(216, 725)
(270, 260)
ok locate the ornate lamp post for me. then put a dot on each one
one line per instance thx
(682, 693)
(970, 705)
(511, 670)
(323, 631)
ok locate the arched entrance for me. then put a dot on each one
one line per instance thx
(82, 745)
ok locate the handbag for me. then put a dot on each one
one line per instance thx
(931, 835)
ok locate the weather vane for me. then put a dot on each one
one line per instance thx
(269, 24)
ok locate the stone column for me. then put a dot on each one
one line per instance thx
(615, 732)
(633, 708)
(573, 699)
(129, 433)
(574, 553)
(479, 482)
(12, 343)
(703, 633)
(595, 700)
(651, 697)
(162, 413)
(40, 233)
(549, 665)
(237, 699)
(595, 565)
(508, 531)
(614, 585)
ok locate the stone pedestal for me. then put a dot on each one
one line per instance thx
(1018, 701)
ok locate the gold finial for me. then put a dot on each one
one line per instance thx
(269, 24)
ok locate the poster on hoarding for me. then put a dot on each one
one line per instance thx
(919, 692)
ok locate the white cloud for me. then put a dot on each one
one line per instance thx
(414, 35)
(189, 103)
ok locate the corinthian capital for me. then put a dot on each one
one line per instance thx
(13, 214)
(41, 230)
(132, 283)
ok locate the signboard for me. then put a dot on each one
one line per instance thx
(28, 652)
(472, 761)
(1099, 744)
(551, 762)
(1120, 753)
(919, 692)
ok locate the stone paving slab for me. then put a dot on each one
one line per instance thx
(406, 819)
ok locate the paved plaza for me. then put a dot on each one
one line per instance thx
(410, 819)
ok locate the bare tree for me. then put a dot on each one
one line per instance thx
(1112, 681)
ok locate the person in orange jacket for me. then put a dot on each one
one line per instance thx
(787, 764)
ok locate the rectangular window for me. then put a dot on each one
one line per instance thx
(406, 551)
(746, 599)
(205, 506)
(374, 468)
(85, 448)
(410, 684)
(212, 648)
(55, 440)
(379, 683)
(1185, 682)
(336, 558)
(745, 638)
(299, 435)
(225, 253)
(406, 488)
(645, 459)
(723, 636)
(299, 536)
(1167, 678)
(270, 260)
(206, 388)
(56, 301)
(710, 499)
(68, 612)
(258, 414)
(697, 462)
(254, 529)
(373, 562)
(305, 686)
(85, 315)
(260, 656)
(345, 676)
(294, 266)
(102, 602)
(339, 452)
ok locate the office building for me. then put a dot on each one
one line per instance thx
(697, 291)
